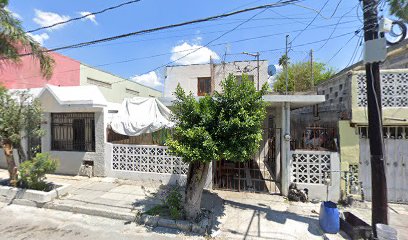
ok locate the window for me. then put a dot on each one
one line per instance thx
(98, 83)
(133, 92)
(203, 86)
(239, 78)
(336, 94)
(327, 96)
(341, 87)
(73, 132)
(331, 90)
(340, 99)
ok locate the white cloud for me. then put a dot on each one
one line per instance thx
(200, 56)
(40, 38)
(45, 19)
(150, 79)
(91, 17)
(279, 68)
(16, 15)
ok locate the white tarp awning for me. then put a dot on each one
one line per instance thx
(140, 115)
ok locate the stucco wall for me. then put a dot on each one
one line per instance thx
(349, 145)
(27, 73)
(115, 88)
(187, 76)
(70, 162)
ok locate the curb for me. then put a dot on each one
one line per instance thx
(143, 219)
(69, 208)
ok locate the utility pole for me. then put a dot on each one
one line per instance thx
(311, 68)
(257, 68)
(379, 210)
(256, 55)
(286, 65)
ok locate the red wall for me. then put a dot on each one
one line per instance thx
(26, 74)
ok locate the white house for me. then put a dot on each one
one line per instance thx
(277, 164)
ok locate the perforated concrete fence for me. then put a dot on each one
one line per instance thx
(145, 163)
(394, 90)
(309, 169)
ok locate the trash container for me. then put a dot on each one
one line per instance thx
(385, 232)
(329, 217)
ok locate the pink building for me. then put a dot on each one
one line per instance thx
(70, 72)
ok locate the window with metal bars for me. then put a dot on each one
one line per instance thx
(73, 132)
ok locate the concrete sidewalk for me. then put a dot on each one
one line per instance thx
(236, 215)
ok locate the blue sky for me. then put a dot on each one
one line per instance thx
(268, 29)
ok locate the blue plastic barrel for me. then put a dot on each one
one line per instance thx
(329, 218)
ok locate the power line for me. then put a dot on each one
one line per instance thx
(253, 27)
(168, 53)
(331, 34)
(355, 34)
(318, 13)
(215, 39)
(84, 16)
(83, 44)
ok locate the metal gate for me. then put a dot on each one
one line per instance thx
(396, 169)
(256, 175)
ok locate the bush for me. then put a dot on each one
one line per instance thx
(32, 172)
(174, 203)
(171, 205)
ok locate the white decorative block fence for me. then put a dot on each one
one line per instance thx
(308, 170)
(310, 166)
(146, 158)
(394, 90)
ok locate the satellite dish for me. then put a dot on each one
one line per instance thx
(271, 70)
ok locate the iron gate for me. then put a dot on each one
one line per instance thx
(255, 175)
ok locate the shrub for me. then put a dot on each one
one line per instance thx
(174, 202)
(32, 172)
(171, 205)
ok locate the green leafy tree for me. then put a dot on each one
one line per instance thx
(300, 76)
(20, 117)
(226, 126)
(14, 41)
(16, 113)
(399, 8)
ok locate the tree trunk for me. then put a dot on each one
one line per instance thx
(22, 156)
(11, 164)
(196, 178)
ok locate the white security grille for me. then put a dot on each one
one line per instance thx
(310, 166)
(394, 90)
(146, 158)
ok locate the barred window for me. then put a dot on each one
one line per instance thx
(73, 132)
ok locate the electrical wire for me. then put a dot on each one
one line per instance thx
(335, 28)
(211, 18)
(206, 45)
(343, 46)
(168, 53)
(318, 13)
(84, 16)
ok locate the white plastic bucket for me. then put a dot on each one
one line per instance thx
(385, 232)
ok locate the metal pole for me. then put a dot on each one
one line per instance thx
(379, 212)
(311, 67)
(286, 64)
(257, 66)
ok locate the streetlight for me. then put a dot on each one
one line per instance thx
(256, 55)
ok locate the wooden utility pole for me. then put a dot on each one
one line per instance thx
(379, 208)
